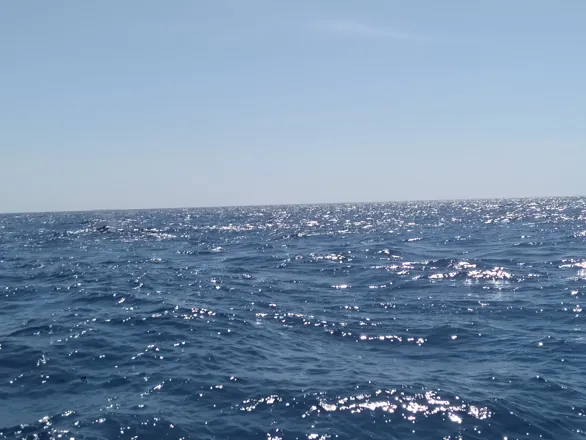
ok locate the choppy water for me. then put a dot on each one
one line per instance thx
(455, 320)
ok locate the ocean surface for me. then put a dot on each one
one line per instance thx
(421, 320)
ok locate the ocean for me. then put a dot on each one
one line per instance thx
(416, 320)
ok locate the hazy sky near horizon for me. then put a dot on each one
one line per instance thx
(138, 104)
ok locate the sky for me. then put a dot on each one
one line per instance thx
(151, 104)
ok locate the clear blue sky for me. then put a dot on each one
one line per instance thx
(138, 104)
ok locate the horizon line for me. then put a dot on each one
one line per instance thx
(270, 205)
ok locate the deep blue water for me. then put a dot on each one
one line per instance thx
(439, 320)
